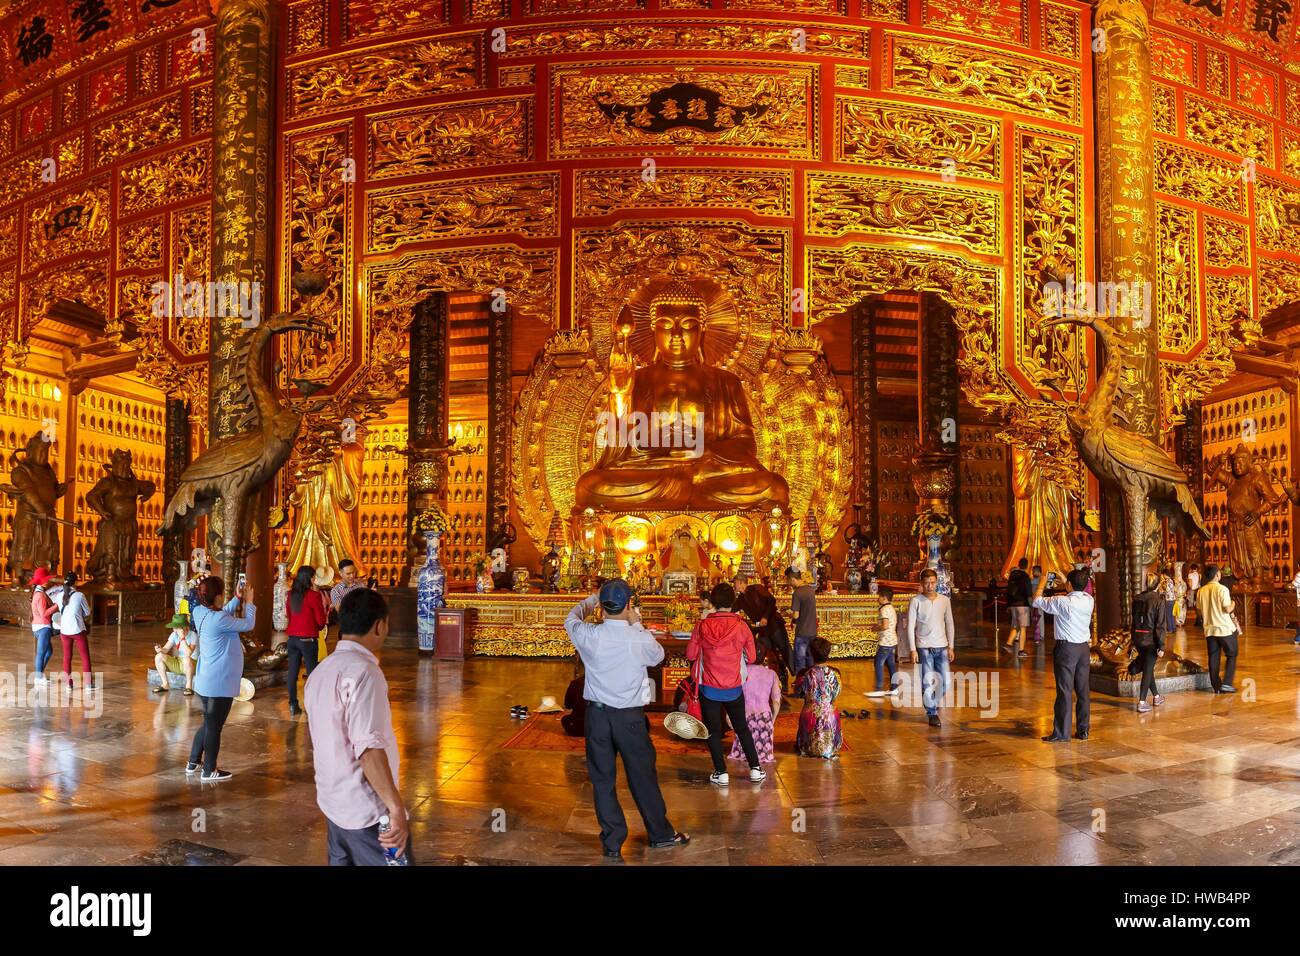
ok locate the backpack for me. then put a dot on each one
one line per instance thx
(1145, 618)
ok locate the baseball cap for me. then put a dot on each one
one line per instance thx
(614, 595)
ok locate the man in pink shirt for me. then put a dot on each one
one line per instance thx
(355, 751)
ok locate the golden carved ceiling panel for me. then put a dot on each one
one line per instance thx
(1227, 243)
(140, 244)
(1197, 177)
(72, 221)
(713, 36)
(790, 6)
(1291, 153)
(1277, 216)
(1279, 284)
(526, 204)
(727, 109)
(191, 257)
(308, 20)
(1060, 30)
(398, 71)
(82, 282)
(471, 133)
(1164, 109)
(179, 174)
(1177, 305)
(598, 192)
(1003, 20)
(839, 205)
(153, 124)
(889, 134)
(1049, 195)
(319, 215)
(541, 7)
(1183, 383)
(1223, 128)
(980, 76)
(384, 18)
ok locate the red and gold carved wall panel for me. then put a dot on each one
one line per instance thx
(467, 134)
(618, 110)
(598, 192)
(399, 71)
(525, 204)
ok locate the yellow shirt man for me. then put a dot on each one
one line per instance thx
(1214, 604)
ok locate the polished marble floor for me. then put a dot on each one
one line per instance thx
(1203, 780)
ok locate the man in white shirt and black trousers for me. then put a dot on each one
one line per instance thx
(616, 653)
(1072, 612)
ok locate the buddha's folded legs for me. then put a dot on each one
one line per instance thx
(751, 489)
(627, 489)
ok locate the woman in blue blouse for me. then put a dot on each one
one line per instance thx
(220, 668)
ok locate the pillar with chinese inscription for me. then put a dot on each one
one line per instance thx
(1126, 218)
(241, 203)
(427, 444)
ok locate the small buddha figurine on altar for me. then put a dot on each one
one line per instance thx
(551, 571)
(711, 461)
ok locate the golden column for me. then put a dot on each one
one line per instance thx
(1126, 204)
(1126, 219)
(241, 172)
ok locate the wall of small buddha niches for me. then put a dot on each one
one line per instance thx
(28, 402)
(984, 516)
(466, 501)
(105, 422)
(381, 504)
(1267, 416)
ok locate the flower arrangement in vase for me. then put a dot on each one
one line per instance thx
(681, 613)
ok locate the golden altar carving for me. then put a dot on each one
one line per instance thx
(505, 624)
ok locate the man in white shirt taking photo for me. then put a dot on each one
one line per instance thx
(616, 653)
(1072, 612)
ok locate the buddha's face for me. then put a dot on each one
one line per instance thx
(678, 330)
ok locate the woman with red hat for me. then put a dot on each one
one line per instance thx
(42, 621)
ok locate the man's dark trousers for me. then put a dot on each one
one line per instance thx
(624, 731)
(1070, 665)
(1227, 646)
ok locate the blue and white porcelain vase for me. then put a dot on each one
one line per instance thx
(431, 592)
(181, 589)
(934, 560)
(280, 601)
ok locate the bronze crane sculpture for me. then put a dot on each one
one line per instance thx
(234, 469)
(1124, 461)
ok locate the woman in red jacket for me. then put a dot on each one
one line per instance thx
(43, 610)
(308, 612)
(723, 644)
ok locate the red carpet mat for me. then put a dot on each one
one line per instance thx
(543, 732)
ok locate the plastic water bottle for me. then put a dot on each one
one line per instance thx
(390, 852)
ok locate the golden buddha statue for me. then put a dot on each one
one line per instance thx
(680, 437)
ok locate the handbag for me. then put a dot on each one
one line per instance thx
(691, 685)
